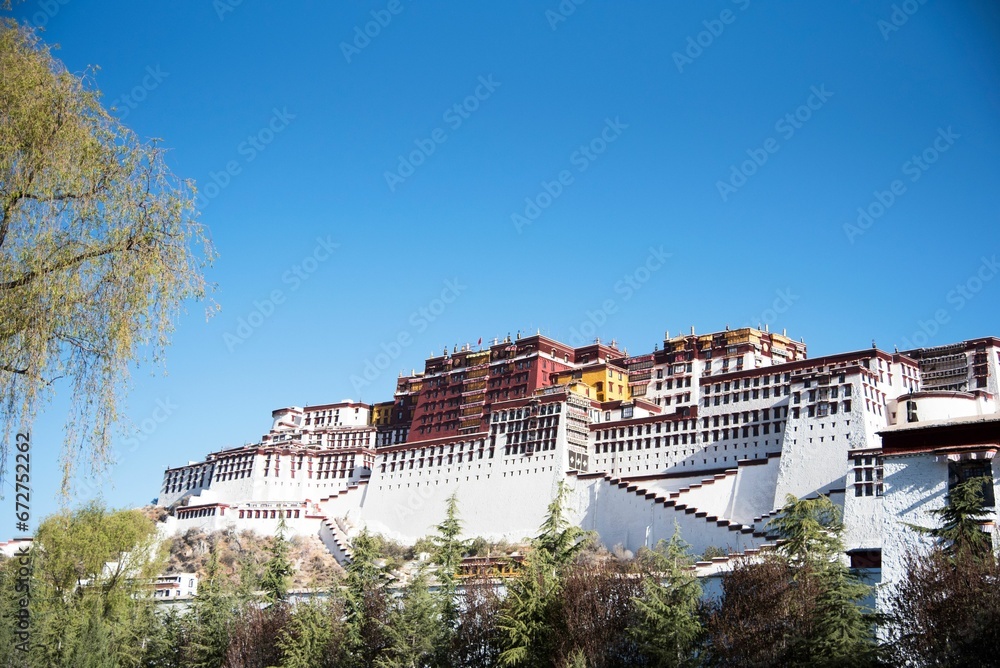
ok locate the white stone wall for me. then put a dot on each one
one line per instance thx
(914, 485)
(630, 519)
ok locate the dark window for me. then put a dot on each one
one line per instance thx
(959, 472)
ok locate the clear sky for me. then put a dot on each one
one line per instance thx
(438, 172)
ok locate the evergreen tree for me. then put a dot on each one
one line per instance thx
(165, 641)
(367, 602)
(448, 551)
(314, 636)
(279, 569)
(529, 609)
(962, 519)
(415, 630)
(558, 539)
(211, 617)
(526, 616)
(668, 627)
(842, 631)
(92, 647)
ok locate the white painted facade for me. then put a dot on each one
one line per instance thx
(714, 446)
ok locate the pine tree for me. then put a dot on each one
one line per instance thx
(415, 631)
(668, 629)
(279, 569)
(93, 647)
(529, 609)
(448, 551)
(211, 617)
(962, 519)
(559, 540)
(526, 616)
(367, 602)
(448, 547)
(839, 631)
(314, 635)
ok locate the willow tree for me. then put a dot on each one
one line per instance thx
(99, 247)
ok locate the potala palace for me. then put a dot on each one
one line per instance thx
(709, 432)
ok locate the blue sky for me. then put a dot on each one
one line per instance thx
(610, 169)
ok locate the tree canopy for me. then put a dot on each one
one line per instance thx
(99, 247)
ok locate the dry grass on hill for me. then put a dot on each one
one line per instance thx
(246, 552)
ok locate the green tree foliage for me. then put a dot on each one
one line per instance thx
(367, 605)
(211, 618)
(668, 628)
(278, 569)
(558, 540)
(98, 247)
(531, 602)
(800, 606)
(946, 609)
(315, 635)
(448, 548)
(90, 594)
(962, 518)
(415, 630)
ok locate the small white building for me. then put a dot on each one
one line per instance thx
(175, 586)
